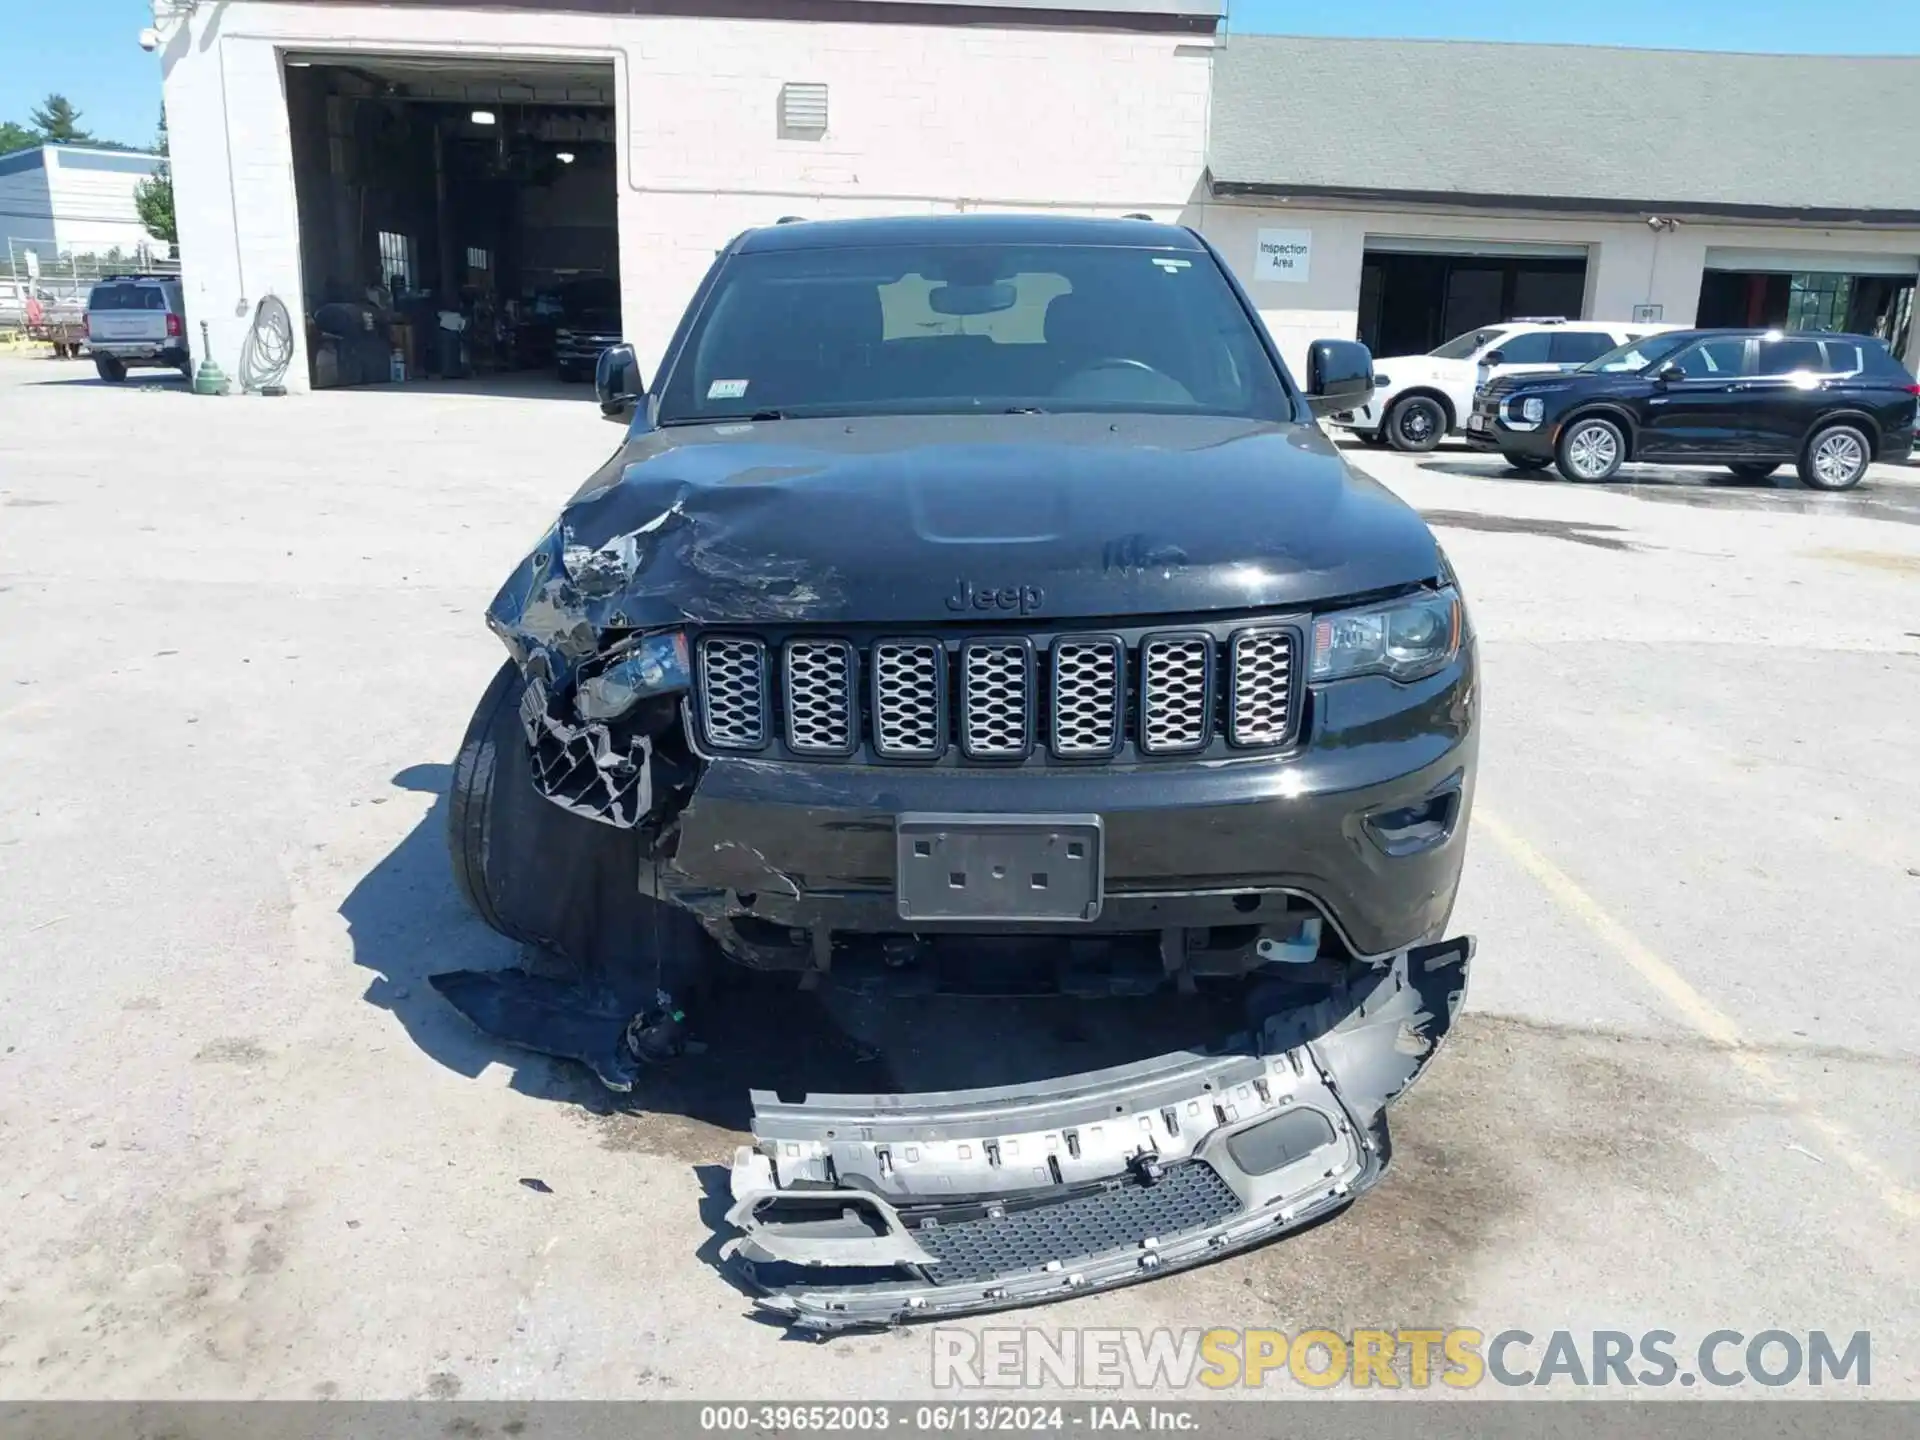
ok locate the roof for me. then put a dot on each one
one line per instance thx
(79, 157)
(972, 229)
(1568, 126)
(1203, 15)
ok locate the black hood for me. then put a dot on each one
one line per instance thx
(890, 520)
(1590, 382)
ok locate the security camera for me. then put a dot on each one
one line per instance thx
(149, 39)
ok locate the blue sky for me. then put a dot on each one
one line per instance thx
(87, 49)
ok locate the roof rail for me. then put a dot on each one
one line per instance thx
(790, 220)
(1538, 320)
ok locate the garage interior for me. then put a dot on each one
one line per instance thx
(454, 218)
(1417, 294)
(1867, 295)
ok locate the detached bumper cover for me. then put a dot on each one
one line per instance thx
(862, 1211)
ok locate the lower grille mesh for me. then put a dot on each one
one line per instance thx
(1186, 1197)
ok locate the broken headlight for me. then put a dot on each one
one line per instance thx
(1408, 638)
(652, 665)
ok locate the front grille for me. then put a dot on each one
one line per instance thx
(1176, 693)
(996, 703)
(1088, 696)
(733, 689)
(1262, 704)
(909, 690)
(820, 710)
(1002, 699)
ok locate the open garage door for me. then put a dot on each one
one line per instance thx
(1417, 292)
(458, 219)
(1810, 290)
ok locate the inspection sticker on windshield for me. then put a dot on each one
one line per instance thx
(1170, 265)
(726, 390)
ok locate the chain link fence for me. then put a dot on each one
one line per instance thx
(60, 281)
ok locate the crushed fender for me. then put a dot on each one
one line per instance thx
(863, 1211)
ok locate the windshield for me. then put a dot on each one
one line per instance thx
(589, 299)
(1461, 347)
(933, 329)
(126, 297)
(1636, 354)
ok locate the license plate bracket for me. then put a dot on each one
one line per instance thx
(1000, 868)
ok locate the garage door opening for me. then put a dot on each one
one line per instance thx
(1866, 294)
(457, 222)
(1416, 294)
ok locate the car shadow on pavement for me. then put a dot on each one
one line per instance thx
(749, 1030)
(159, 380)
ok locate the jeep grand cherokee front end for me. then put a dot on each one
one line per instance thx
(970, 597)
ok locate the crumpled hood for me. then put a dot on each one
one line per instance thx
(911, 520)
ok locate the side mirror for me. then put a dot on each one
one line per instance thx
(1339, 375)
(616, 380)
(1494, 357)
(1670, 372)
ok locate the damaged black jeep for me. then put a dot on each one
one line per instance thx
(974, 603)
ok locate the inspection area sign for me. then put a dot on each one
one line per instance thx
(1283, 255)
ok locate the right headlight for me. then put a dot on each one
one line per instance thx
(1408, 638)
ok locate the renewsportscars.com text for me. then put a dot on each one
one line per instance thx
(1459, 1358)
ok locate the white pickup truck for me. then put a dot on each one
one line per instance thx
(1419, 399)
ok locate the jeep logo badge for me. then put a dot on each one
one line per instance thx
(1024, 598)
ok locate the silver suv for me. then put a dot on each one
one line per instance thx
(137, 320)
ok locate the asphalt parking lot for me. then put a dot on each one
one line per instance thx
(245, 1151)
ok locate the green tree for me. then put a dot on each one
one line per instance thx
(16, 137)
(59, 123)
(153, 198)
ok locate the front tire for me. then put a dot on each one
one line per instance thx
(1415, 424)
(551, 879)
(1835, 458)
(109, 369)
(1590, 450)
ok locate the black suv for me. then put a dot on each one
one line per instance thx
(1751, 400)
(973, 603)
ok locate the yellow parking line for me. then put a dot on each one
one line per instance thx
(1698, 1011)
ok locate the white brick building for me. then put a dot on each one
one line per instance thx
(1416, 190)
(1092, 110)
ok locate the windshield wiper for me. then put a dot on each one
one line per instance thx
(1023, 410)
(725, 419)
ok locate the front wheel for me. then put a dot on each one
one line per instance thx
(545, 877)
(1835, 458)
(1415, 424)
(1590, 450)
(109, 369)
(1528, 463)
